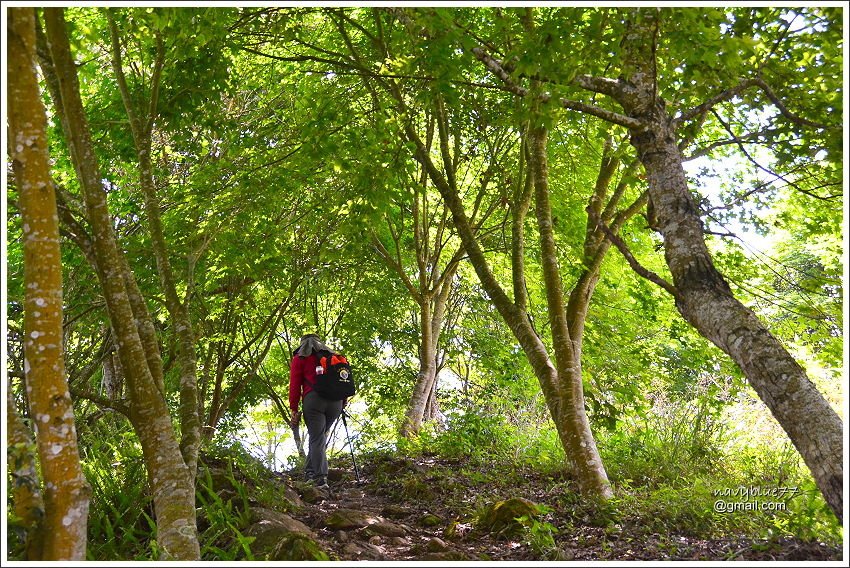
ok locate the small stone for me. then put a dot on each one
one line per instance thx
(386, 528)
(396, 511)
(436, 545)
(346, 519)
(376, 540)
(373, 551)
(311, 494)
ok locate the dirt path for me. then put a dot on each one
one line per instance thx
(355, 523)
(419, 510)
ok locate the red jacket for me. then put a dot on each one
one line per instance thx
(302, 377)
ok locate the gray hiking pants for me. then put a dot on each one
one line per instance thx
(319, 415)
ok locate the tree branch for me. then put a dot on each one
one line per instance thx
(395, 266)
(495, 66)
(741, 87)
(744, 138)
(633, 262)
(753, 161)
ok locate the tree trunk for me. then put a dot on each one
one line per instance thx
(431, 295)
(423, 402)
(703, 296)
(66, 495)
(415, 413)
(28, 504)
(141, 126)
(705, 300)
(590, 472)
(113, 377)
(171, 482)
(144, 322)
(568, 404)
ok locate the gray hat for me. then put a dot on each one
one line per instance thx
(310, 343)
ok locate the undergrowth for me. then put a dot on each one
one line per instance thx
(680, 470)
(677, 471)
(121, 522)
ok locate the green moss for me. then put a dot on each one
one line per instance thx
(296, 546)
(502, 518)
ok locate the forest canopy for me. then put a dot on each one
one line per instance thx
(587, 259)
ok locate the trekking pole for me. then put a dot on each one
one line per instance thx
(350, 446)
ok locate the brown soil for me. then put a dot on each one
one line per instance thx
(425, 509)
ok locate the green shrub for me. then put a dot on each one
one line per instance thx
(672, 444)
(221, 522)
(120, 523)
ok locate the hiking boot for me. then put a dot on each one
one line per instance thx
(319, 482)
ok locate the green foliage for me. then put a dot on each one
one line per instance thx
(673, 442)
(299, 547)
(672, 470)
(540, 535)
(247, 474)
(486, 434)
(274, 171)
(221, 522)
(120, 523)
(470, 434)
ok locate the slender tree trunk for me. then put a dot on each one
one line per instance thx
(704, 298)
(431, 295)
(568, 405)
(66, 495)
(141, 125)
(432, 407)
(171, 481)
(423, 401)
(144, 322)
(427, 371)
(113, 377)
(590, 473)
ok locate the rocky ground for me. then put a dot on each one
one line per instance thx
(439, 510)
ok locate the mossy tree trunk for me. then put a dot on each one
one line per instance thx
(62, 530)
(703, 296)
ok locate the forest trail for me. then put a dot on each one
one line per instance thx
(431, 509)
(355, 523)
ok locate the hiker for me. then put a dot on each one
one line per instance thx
(319, 413)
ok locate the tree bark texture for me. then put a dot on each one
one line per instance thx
(66, 493)
(25, 490)
(704, 298)
(171, 482)
(113, 377)
(427, 374)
